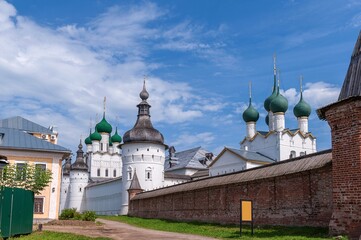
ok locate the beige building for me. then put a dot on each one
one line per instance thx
(23, 141)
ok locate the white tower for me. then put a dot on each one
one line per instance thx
(65, 182)
(143, 151)
(78, 181)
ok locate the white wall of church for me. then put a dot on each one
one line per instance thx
(280, 145)
(227, 163)
(104, 198)
(103, 162)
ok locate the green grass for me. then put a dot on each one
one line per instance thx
(226, 232)
(46, 235)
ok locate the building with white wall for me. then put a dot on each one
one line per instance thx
(277, 143)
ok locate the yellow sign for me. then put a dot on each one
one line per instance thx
(246, 211)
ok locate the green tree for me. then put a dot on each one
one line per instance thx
(27, 177)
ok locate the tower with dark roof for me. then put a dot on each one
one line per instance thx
(143, 151)
(79, 179)
(344, 117)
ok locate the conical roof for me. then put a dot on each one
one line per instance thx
(79, 163)
(352, 83)
(135, 185)
(67, 165)
(143, 130)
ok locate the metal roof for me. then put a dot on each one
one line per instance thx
(188, 159)
(24, 124)
(135, 185)
(352, 84)
(17, 139)
(176, 176)
(300, 164)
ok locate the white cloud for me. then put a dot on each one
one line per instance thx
(316, 94)
(60, 76)
(187, 140)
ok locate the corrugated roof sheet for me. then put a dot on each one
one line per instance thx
(15, 138)
(308, 162)
(188, 159)
(24, 124)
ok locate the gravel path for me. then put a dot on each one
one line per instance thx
(118, 231)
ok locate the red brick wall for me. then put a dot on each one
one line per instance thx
(345, 121)
(302, 199)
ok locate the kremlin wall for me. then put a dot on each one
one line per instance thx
(319, 189)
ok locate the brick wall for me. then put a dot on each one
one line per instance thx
(344, 119)
(302, 199)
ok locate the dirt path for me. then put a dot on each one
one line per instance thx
(118, 231)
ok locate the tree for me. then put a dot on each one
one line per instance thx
(28, 176)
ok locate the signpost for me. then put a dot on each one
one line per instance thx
(246, 214)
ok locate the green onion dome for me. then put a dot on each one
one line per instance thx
(268, 101)
(104, 126)
(95, 136)
(116, 138)
(302, 109)
(267, 120)
(110, 142)
(88, 139)
(250, 114)
(279, 103)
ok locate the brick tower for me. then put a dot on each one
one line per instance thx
(344, 118)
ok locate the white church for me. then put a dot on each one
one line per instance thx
(102, 179)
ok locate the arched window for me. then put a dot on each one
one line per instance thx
(302, 153)
(292, 154)
(130, 173)
(106, 172)
(114, 173)
(98, 172)
(148, 174)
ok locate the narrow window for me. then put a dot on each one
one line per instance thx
(148, 174)
(79, 189)
(130, 174)
(106, 172)
(292, 154)
(98, 172)
(38, 205)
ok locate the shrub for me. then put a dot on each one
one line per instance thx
(67, 214)
(77, 216)
(88, 216)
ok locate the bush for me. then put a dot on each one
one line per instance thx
(88, 216)
(67, 214)
(71, 213)
(77, 216)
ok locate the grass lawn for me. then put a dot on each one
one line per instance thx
(55, 236)
(230, 231)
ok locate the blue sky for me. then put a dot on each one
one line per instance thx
(58, 59)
